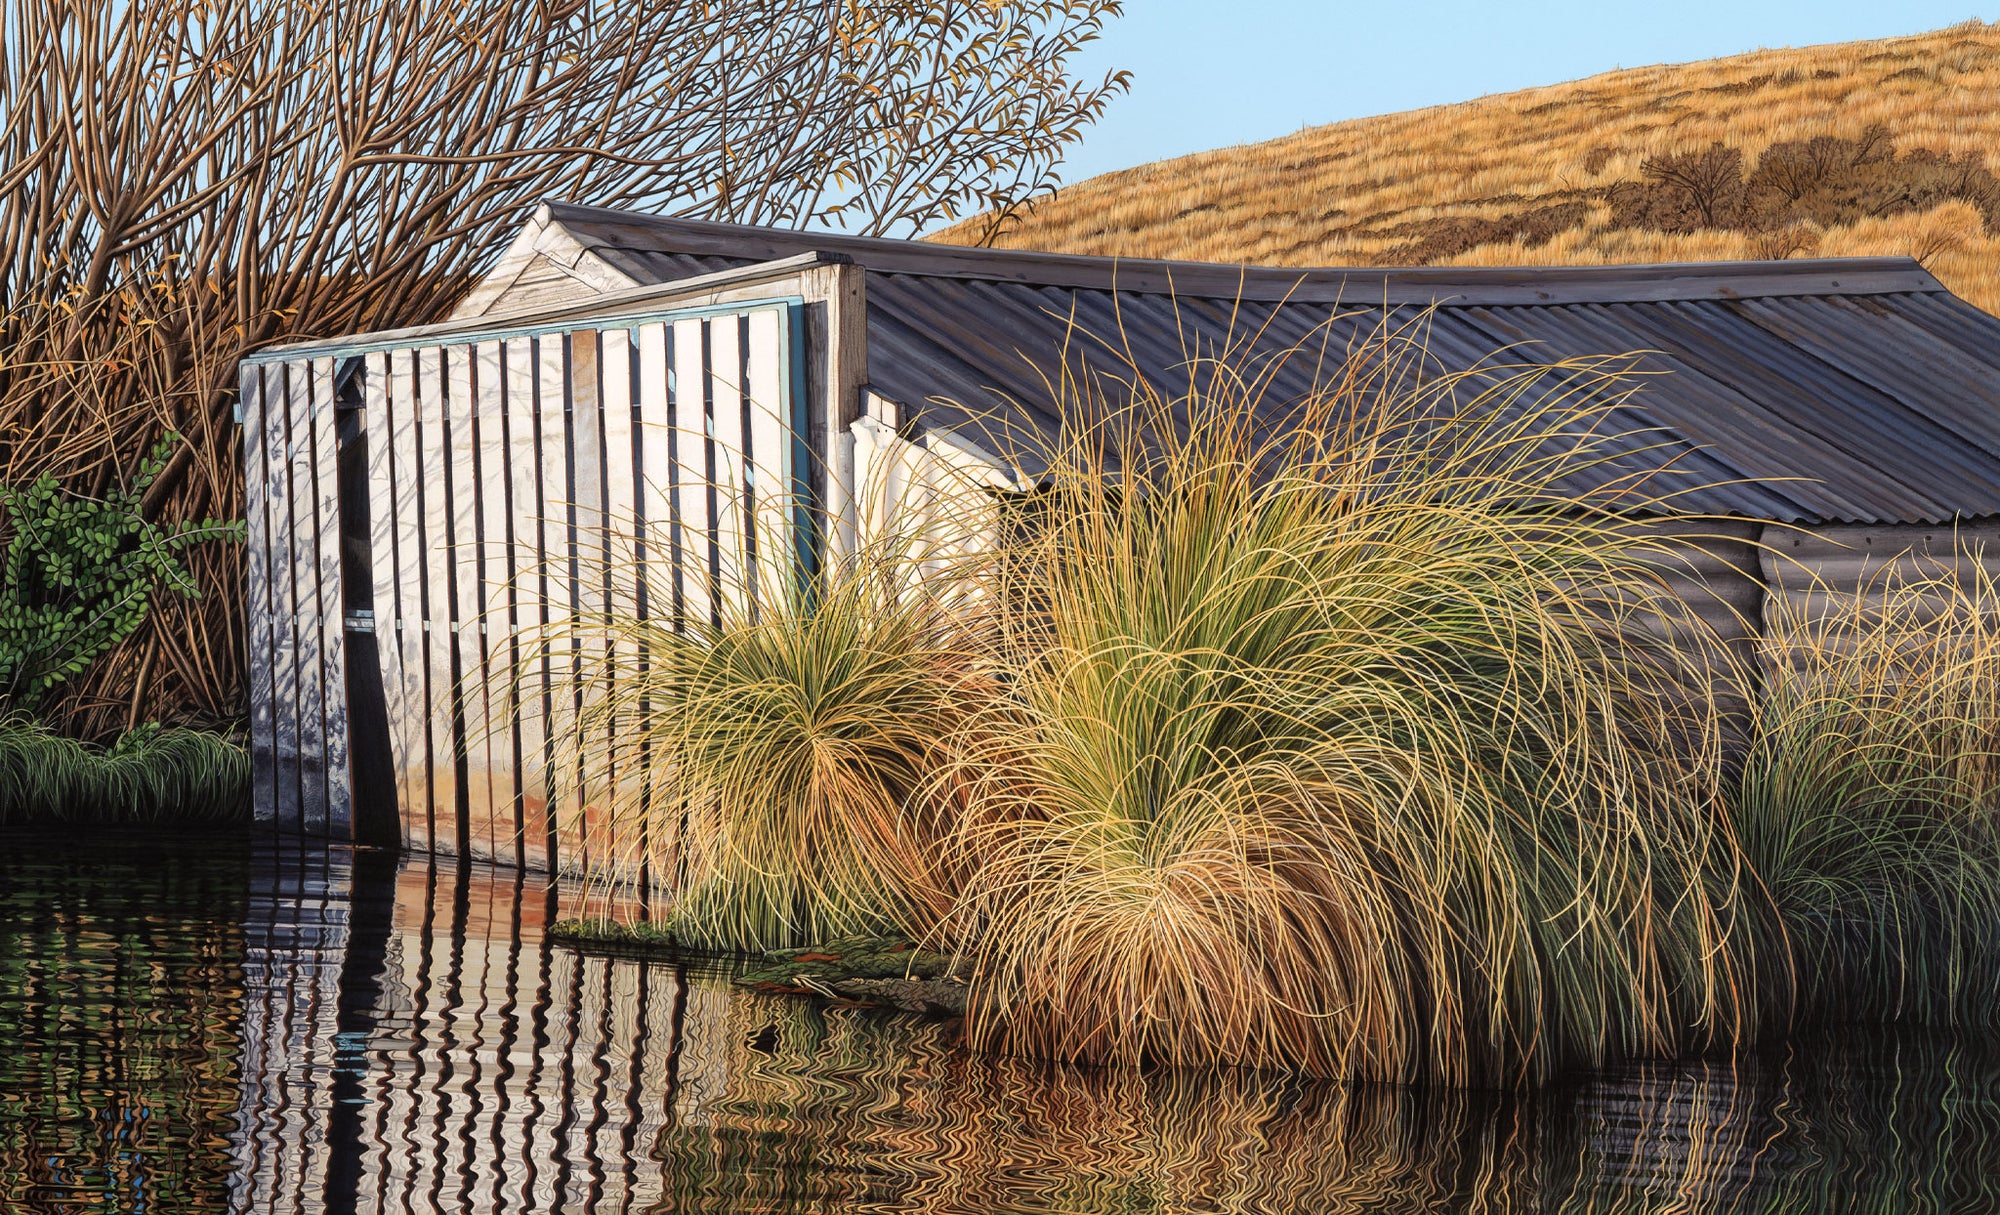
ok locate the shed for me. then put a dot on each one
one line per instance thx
(614, 368)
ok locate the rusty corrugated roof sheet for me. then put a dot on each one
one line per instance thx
(1849, 390)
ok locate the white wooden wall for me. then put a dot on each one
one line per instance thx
(649, 466)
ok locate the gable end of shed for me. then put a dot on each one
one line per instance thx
(545, 265)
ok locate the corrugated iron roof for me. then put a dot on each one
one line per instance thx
(1850, 390)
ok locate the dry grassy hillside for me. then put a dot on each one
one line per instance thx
(1847, 149)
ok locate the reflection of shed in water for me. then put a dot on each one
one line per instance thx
(411, 1045)
(667, 395)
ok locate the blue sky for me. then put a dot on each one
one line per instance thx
(1208, 73)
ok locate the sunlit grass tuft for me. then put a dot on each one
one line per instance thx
(788, 770)
(1357, 735)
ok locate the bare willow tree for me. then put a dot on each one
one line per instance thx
(182, 181)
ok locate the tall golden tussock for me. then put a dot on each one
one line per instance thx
(787, 767)
(1354, 735)
(1331, 752)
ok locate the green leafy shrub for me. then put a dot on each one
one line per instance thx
(79, 574)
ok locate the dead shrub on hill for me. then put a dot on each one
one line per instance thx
(1826, 181)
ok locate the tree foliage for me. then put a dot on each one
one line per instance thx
(78, 575)
(185, 180)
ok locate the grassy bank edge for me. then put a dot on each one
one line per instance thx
(151, 776)
(877, 972)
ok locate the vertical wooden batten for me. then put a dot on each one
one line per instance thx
(461, 512)
(435, 569)
(768, 472)
(453, 499)
(836, 361)
(694, 539)
(308, 739)
(384, 407)
(617, 537)
(726, 455)
(284, 607)
(409, 696)
(257, 579)
(337, 794)
(525, 378)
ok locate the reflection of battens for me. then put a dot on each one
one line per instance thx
(295, 936)
(497, 1072)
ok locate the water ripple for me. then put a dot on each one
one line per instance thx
(286, 1029)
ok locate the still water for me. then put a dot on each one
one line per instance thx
(205, 1027)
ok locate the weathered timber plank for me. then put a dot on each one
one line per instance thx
(561, 367)
(339, 785)
(434, 458)
(694, 485)
(619, 584)
(295, 574)
(258, 615)
(655, 475)
(586, 462)
(488, 738)
(726, 409)
(455, 622)
(410, 724)
(284, 611)
(379, 410)
(524, 559)
(768, 457)
(539, 531)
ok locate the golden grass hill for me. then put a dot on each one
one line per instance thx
(1857, 149)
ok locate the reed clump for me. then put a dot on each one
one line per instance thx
(149, 775)
(1334, 753)
(1869, 804)
(786, 767)
(1357, 735)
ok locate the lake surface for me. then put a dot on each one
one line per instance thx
(205, 1027)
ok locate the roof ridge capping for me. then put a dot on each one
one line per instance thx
(1455, 286)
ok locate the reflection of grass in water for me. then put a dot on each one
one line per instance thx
(837, 1110)
(119, 1014)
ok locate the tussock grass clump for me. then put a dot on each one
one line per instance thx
(789, 769)
(1869, 804)
(149, 775)
(1332, 754)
